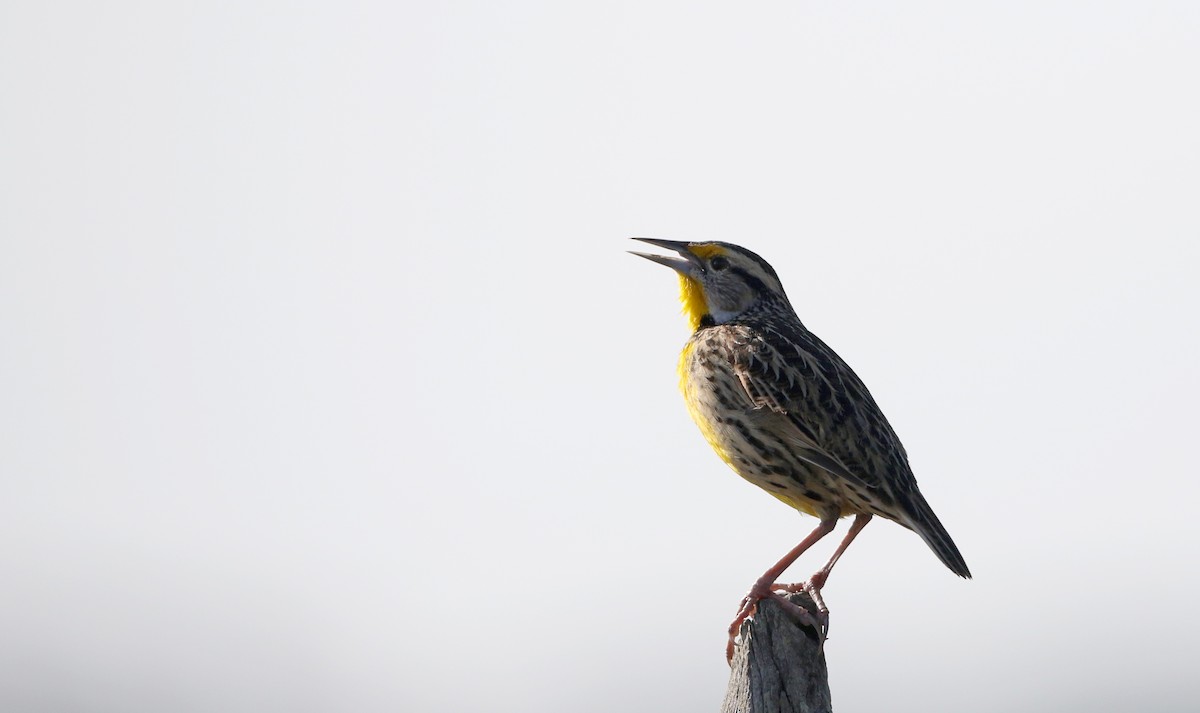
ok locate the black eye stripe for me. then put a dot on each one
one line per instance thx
(750, 255)
(756, 284)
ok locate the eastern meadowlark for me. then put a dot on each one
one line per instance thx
(788, 415)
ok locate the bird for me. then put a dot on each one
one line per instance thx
(787, 414)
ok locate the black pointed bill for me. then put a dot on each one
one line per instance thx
(687, 264)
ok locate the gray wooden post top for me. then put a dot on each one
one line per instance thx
(778, 668)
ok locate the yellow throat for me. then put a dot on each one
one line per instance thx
(691, 293)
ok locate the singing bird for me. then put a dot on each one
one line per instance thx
(788, 415)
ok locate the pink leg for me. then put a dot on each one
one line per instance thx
(762, 588)
(860, 521)
(814, 584)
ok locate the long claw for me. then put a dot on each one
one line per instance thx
(813, 590)
(818, 623)
(745, 611)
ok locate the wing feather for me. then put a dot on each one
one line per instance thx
(832, 420)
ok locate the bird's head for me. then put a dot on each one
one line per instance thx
(718, 282)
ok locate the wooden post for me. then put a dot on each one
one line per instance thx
(778, 668)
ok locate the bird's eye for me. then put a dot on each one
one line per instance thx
(718, 263)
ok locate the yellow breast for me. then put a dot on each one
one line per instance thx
(697, 400)
(700, 396)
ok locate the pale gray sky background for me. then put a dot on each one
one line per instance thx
(326, 384)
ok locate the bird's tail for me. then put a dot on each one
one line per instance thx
(926, 524)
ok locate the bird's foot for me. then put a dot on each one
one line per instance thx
(812, 588)
(761, 591)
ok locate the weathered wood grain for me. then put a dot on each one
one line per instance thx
(779, 667)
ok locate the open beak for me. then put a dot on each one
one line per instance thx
(688, 264)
